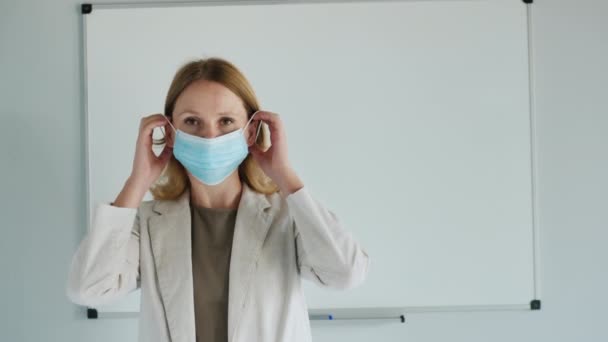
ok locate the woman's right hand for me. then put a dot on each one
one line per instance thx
(147, 167)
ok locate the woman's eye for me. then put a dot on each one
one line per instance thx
(188, 120)
(227, 121)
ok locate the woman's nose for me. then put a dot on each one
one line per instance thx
(209, 132)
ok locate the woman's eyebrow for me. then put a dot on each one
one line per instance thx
(197, 113)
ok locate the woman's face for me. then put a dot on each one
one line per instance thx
(208, 109)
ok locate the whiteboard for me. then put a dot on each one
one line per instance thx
(410, 120)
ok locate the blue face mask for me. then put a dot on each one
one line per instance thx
(212, 160)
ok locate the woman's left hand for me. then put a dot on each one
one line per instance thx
(275, 162)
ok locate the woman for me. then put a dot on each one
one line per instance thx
(219, 252)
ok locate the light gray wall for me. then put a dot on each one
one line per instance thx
(43, 196)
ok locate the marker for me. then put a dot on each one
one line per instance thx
(322, 317)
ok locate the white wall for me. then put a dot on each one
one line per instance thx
(43, 198)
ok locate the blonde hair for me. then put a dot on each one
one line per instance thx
(174, 179)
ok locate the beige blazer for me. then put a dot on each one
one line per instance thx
(277, 241)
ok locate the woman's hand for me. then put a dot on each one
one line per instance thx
(147, 167)
(275, 162)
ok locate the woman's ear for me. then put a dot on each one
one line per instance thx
(251, 132)
(169, 134)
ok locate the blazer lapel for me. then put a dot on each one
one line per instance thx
(170, 237)
(252, 223)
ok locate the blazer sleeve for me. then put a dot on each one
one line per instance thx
(105, 266)
(326, 253)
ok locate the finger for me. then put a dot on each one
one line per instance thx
(273, 120)
(150, 118)
(148, 127)
(266, 116)
(167, 129)
(166, 153)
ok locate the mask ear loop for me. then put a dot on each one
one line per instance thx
(165, 133)
(171, 124)
(259, 126)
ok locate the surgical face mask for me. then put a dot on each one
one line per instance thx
(212, 160)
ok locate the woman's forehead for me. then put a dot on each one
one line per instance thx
(209, 99)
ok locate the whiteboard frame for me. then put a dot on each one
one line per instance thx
(363, 313)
